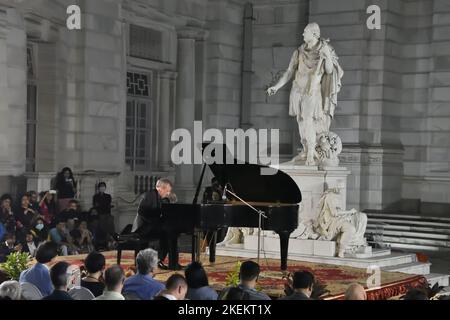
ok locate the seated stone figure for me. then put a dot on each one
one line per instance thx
(235, 235)
(345, 227)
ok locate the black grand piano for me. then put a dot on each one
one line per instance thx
(276, 195)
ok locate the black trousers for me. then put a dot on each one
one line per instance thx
(168, 241)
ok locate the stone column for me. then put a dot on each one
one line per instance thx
(185, 104)
(166, 77)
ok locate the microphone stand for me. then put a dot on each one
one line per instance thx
(260, 215)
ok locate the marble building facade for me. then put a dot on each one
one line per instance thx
(105, 99)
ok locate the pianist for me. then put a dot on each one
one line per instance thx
(149, 223)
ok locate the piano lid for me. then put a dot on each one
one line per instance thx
(248, 183)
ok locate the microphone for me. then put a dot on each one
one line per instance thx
(224, 194)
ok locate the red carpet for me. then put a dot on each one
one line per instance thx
(336, 278)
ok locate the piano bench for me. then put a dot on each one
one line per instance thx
(135, 244)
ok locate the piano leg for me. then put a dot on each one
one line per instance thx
(194, 246)
(284, 246)
(212, 247)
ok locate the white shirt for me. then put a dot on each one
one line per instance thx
(169, 296)
(110, 295)
(31, 248)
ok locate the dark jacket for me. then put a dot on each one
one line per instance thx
(150, 206)
(296, 296)
(58, 295)
(102, 203)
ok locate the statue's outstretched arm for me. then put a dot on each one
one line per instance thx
(287, 75)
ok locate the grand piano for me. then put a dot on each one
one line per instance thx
(277, 196)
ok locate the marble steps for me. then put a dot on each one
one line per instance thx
(402, 231)
(442, 279)
(404, 228)
(406, 216)
(413, 235)
(422, 268)
(409, 246)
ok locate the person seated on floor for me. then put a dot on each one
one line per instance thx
(60, 279)
(30, 244)
(198, 285)
(61, 236)
(142, 284)
(34, 201)
(38, 274)
(39, 230)
(25, 217)
(415, 294)
(8, 246)
(71, 214)
(302, 286)
(176, 288)
(86, 241)
(114, 279)
(95, 264)
(10, 290)
(355, 292)
(248, 276)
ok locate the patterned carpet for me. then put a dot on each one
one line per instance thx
(336, 278)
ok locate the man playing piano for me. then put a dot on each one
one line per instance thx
(149, 223)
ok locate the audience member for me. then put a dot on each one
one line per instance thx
(102, 204)
(415, 294)
(71, 214)
(60, 235)
(114, 278)
(10, 290)
(302, 285)
(176, 288)
(355, 292)
(7, 217)
(38, 274)
(60, 279)
(198, 285)
(248, 276)
(142, 284)
(66, 188)
(25, 217)
(94, 264)
(47, 207)
(8, 246)
(34, 201)
(30, 245)
(39, 231)
(86, 240)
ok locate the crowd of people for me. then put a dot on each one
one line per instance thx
(56, 215)
(112, 284)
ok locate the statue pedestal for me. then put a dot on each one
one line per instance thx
(312, 182)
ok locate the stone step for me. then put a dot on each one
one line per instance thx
(386, 221)
(409, 234)
(410, 228)
(415, 241)
(398, 245)
(422, 268)
(442, 279)
(406, 217)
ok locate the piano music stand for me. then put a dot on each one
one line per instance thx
(260, 215)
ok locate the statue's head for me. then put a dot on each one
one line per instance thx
(311, 32)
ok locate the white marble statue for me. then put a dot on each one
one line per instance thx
(235, 236)
(347, 228)
(313, 97)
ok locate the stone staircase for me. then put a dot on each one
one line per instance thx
(415, 232)
(411, 233)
